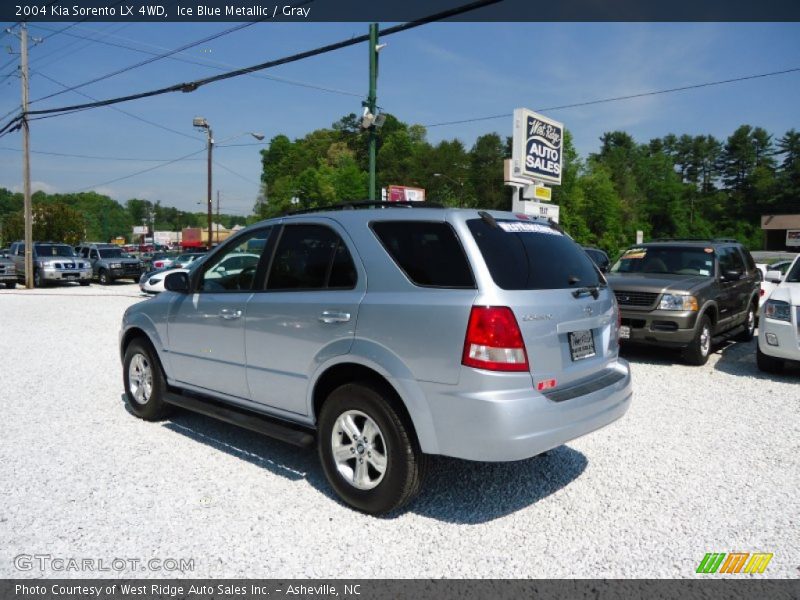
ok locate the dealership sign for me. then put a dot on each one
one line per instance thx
(537, 153)
(793, 237)
(402, 193)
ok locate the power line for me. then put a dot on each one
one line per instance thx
(618, 98)
(60, 50)
(94, 157)
(239, 175)
(149, 60)
(124, 112)
(193, 85)
(147, 170)
(213, 64)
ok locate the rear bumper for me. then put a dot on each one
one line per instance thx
(660, 327)
(514, 424)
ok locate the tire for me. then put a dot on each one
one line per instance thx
(369, 408)
(144, 382)
(749, 324)
(698, 351)
(11, 284)
(767, 363)
(104, 278)
(37, 279)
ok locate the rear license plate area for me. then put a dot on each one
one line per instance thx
(581, 344)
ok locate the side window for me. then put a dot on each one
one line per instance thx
(94, 254)
(748, 259)
(20, 250)
(738, 260)
(234, 268)
(730, 260)
(428, 252)
(311, 257)
(85, 252)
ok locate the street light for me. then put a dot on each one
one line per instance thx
(202, 123)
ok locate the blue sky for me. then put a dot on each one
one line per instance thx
(430, 74)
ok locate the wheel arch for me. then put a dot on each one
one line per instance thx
(151, 337)
(405, 392)
(712, 311)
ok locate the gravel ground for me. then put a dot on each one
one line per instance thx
(706, 460)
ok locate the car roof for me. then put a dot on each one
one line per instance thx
(687, 244)
(405, 212)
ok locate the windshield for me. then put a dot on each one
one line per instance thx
(524, 255)
(794, 275)
(110, 253)
(666, 261)
(45, 250)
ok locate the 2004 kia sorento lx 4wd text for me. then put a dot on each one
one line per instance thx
(385, 335)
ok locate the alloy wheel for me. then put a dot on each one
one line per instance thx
(359, 449)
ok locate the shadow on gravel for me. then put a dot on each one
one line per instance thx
(651, 355)
(740, 359)
(455, 491)
(467, 492)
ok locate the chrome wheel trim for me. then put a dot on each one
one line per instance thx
(359, 450)
(140, 379)
(705, 340)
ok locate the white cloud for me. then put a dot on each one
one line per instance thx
(37, 186)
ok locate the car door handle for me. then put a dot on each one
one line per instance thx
(332, 316)
(229, 314)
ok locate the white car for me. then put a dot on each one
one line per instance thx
(779, 326)
(232, 265)
(782, 266)
(153, 281)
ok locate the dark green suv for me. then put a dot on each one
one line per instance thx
(686, 294)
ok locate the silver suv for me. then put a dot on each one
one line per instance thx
(52, 263)
(385, 335)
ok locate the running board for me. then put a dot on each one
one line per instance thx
(274, 428)
(718, 339)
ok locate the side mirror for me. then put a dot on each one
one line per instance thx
(774, 276)
(732, 275)
(177, 282)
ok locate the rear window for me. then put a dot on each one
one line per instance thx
(532, 256)
(429, 253)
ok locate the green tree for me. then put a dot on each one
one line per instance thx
(52, 222)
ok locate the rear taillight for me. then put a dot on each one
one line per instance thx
(494, 340)
(761, 292)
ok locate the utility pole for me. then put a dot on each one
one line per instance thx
(217, 217)
(371, 103)
(26, 158)
(210, 140)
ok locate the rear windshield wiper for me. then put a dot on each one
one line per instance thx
(594, 290)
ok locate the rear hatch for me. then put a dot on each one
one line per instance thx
(565, 311)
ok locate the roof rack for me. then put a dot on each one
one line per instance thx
(366, 204)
